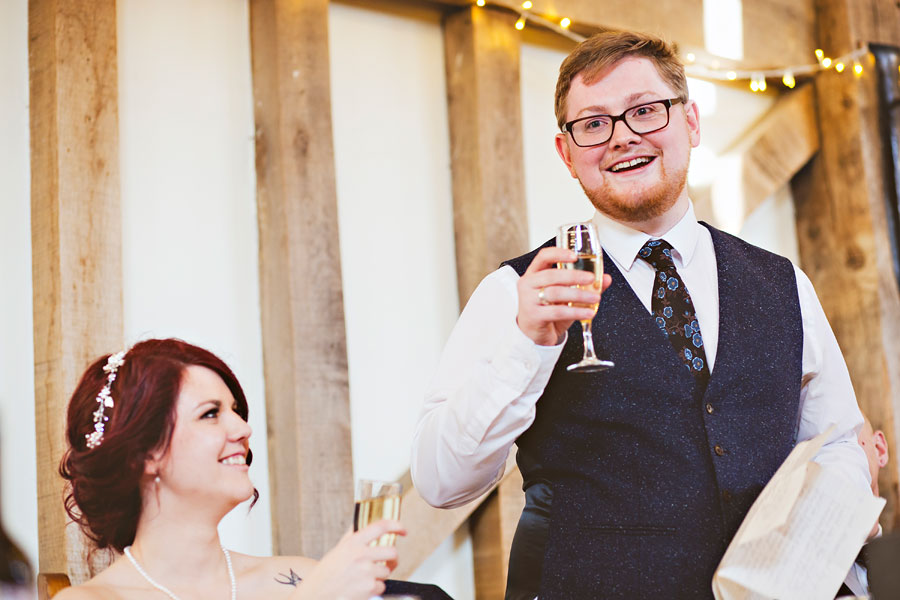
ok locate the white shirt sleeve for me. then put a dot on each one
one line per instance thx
(826, 395)
(482, 398)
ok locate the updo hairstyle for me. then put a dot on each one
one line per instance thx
(104, 483)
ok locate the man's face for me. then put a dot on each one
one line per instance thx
(642, 194)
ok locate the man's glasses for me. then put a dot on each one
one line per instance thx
(598, 129)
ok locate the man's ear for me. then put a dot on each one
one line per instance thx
(692, 113)
(562, 148)
(881, 448)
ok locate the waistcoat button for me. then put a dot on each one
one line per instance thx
(719, 450)
(709, 408)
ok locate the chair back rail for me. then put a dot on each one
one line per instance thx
(49, 584)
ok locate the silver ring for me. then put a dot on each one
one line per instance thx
(541, 299)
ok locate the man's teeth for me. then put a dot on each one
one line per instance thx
(629, 163)
(237, 459)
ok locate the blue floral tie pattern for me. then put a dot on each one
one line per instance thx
(673, 310)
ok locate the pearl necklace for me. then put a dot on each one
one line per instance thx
(166, 590)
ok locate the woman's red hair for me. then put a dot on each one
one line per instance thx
(105, 482)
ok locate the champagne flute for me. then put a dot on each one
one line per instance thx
(582, 238)
(377, 500)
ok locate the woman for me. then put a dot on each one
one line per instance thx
(158, 454)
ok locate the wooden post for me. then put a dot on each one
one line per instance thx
(304, 343)
(493, 526)
(841, 222)
(428, 527)
(482, 62)
(766, 157)
(489, 215)
(76, 234)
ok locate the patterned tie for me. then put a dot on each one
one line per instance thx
(673, 310)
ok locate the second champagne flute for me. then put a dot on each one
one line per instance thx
(583, 239)
(377, 500)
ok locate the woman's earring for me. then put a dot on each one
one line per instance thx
(156, 480)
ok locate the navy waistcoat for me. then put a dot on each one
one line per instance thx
(651, 477)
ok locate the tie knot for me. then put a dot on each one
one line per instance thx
(658, 253)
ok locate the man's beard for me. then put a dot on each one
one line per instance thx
(653, 202)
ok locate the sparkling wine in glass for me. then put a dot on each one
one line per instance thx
(582, 238)
(377, 500)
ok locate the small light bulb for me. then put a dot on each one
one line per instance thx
(520, 24)
(754, 86)
(762, 84)
(826, 62)
(839, 67)
(731, 75)
(526, 5)
(480, 2)
(857, 68)
(819, 54)
(690, 57)
(566, 21)
(789, 80)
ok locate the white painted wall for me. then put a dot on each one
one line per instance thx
(395, 212)
(189, 233)
(552, 195)
(18, 477)
(189, 221)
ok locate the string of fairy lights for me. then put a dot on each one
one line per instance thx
(710, 68)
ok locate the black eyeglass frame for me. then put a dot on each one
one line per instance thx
(668, 102)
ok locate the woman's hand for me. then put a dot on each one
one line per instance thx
(353, 569)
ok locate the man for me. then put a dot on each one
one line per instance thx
(637, 477)
(875, 446)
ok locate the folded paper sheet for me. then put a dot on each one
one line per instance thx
(801, 536)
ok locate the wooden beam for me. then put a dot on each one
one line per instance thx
(871, 22)
(489, 214)
(841, 226)
(766, 158)
(304, 342)
(429, 527)
(493, 526)
(490, 218)
(76, 235)
(775, 32)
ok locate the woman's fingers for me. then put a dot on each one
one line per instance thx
(375, 530)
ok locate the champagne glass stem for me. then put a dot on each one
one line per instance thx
(588, 338)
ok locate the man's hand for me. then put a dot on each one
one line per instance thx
(545, 295)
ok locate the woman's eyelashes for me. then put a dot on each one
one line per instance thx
(213, 412)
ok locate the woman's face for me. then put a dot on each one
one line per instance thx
(206, 459)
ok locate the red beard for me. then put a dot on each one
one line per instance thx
(652, 204)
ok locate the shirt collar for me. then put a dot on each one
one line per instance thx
(622, 242)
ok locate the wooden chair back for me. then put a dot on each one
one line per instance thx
(49, 584)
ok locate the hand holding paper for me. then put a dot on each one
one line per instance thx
(801, 535)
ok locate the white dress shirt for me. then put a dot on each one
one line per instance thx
(491, 375)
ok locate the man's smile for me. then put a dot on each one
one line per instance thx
(631, 164)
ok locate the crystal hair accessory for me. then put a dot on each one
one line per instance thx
(104, 399)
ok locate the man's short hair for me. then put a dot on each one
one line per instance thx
(595, 54)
